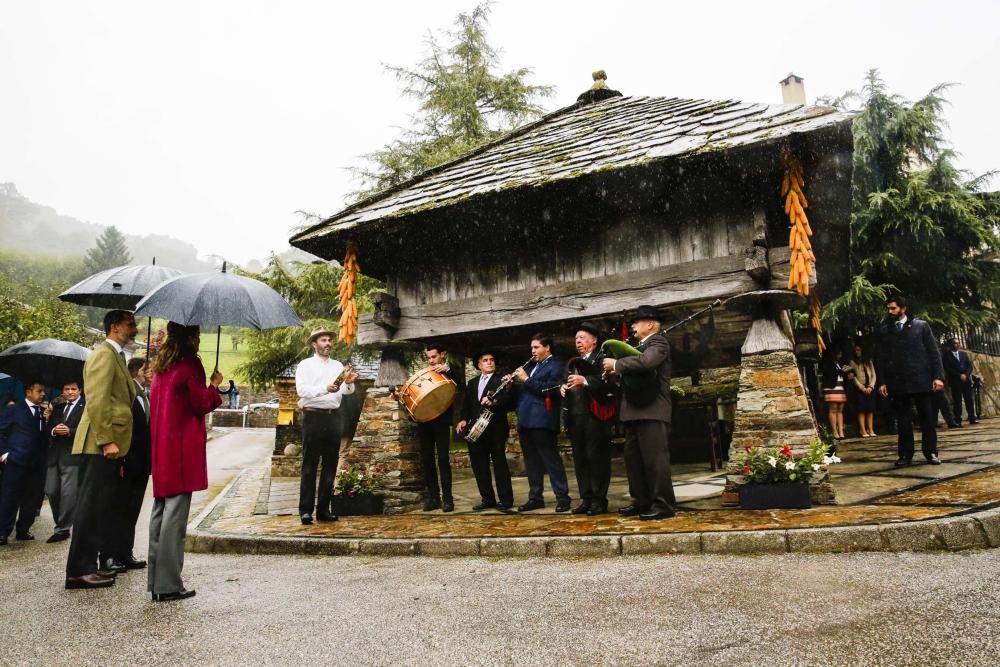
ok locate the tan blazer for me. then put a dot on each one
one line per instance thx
(107, 416)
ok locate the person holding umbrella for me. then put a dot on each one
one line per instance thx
(179, 400)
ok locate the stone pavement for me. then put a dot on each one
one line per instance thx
(880, 508)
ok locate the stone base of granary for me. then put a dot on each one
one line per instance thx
(772, 411)
(386, 436)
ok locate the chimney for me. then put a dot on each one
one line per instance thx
(599, 91)
(793, 89)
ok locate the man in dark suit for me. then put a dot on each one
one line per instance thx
(589, 411)
(958, 369)
(62, 475)
(492, 443)
(647, 420)
(435, 438)
(23, 444)
(130, 490)
(538, 424)
(909, 371)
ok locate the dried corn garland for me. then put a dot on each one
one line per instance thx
(802, 258)
(348, 304)
(814, 320)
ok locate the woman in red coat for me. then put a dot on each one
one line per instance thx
(179, 401)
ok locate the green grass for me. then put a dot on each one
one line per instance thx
(228, 359)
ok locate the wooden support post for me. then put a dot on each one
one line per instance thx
(392, 368)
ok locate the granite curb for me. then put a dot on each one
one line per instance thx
(973, 530)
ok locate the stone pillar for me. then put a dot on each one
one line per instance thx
(387, 436)
(771, 407)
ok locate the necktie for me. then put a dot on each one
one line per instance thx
(38, 416)
(482, 386)
(122, 355)
(899, 326)
(69, 409)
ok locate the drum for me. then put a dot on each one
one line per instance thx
(427, 394)
(480, 426)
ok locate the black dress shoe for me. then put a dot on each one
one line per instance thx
(306, 518)
(24, 537)
(973, 421)
(505, 507)
(133, 563)
(902, 461)
(483, 506)
(656, 514)
(531, 505)
(597, 509)
(89, 581)
(934, 460)
(582, 508)
(431, 505)
(562, 507)
(325, 516)
(630, 510)
(448, 506)
(112, 565)
(58, 536)
(168, 597)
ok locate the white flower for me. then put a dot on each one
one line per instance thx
(834, 459)
(772, 461)
(789, 465)
(827, 460)
(816, 466)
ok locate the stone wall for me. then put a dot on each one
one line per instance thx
(987, 366)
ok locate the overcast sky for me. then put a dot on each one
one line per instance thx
(215, 121)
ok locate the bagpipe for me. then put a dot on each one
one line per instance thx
(603, 406)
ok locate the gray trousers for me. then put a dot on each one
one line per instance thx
(167, 528)
(61, 481)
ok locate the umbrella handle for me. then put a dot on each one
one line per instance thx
(218, 344)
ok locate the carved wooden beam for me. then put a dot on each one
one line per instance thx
(386, 313)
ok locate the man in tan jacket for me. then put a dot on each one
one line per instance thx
(103, 437)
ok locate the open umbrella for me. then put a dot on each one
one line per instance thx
(51, 361)
(121, 287)
(219, 299)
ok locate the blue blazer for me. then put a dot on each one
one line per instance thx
(20, 438)
(531, 412)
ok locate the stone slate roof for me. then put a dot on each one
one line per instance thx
(582, 139)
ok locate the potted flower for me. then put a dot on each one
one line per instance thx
(775, 478)
(356, 488)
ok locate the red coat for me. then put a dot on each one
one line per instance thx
(179, 399)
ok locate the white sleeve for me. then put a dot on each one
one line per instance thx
(305, 390)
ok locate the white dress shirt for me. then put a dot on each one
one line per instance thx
(311, 379)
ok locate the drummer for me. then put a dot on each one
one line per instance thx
(435, 437)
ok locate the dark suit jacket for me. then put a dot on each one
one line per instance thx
(908, 360)
(138, 461)
(531, 412)
(20, 436)
(954, 368)
(655, 355)
(577, 401)
(72, 421)
(471, 408)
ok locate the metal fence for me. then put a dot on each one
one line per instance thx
(978, 339)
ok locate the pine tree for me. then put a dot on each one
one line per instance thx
(464, 101)
(919, 227)
(108, 252)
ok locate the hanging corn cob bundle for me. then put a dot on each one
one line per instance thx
(348, 304)
(815, 322)
(802, 258)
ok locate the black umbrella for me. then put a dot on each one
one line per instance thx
(219, 299)
(122, 287)
(50, 361)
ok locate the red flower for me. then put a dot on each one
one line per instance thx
(748, 449)
(786, 451)
(746, 471)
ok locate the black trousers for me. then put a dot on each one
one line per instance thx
(591, 440)
(647, 463)
(435, 444)
(94, 519)
(959, 391)
(541, 455)
(927, 415)
(491, 447)
(19, 490)
(320, 440)
(128, 496)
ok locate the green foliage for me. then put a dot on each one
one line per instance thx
(777, 465)
(29, 310)
(919, 227)
(358, 481)
(464, 102)
(109, 251)
(311, 290)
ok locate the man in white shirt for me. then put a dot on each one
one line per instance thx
(321, 383)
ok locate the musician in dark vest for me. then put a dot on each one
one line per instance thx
(590, 409)
(646, 419)
(435, 437)
(492, 443)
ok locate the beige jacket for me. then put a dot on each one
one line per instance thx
(107, 416)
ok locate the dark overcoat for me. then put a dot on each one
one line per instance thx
(907, 360)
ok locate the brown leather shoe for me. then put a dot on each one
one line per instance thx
(89, 581)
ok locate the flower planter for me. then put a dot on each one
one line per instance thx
(358, 505)
(788, 495)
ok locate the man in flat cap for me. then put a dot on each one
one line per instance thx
(589, 412)
(646, 415)
(321, 384)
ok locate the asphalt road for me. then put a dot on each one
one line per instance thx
(865, 609)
